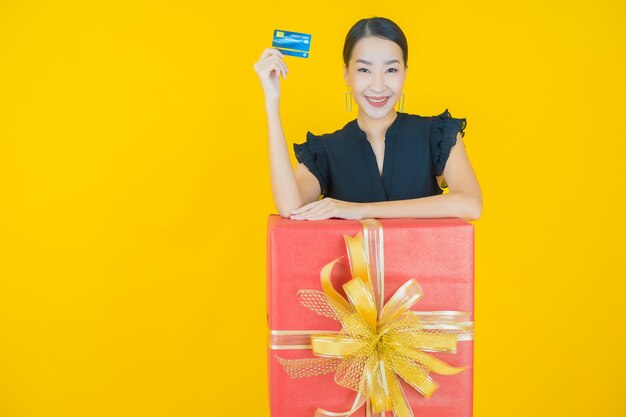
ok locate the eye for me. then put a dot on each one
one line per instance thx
(362, 70)
(393, 69)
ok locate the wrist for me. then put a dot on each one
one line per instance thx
(366, 210)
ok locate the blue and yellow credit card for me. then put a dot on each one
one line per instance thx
(292, 43)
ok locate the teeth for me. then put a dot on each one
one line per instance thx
(377, 101)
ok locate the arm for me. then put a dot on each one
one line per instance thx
(463, 200)
(289, 190)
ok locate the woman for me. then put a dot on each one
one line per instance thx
(382, 164)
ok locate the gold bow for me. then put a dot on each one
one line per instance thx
(375, 345)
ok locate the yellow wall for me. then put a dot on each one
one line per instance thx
(135, 188)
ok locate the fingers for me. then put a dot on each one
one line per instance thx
(328, 208)
(322, 211)
(326, 214)
(281, 67)
(271, 55)
(306, 207)
(323, 215)
(317, 210)
(266, 69)
(282, 64)
(270, 51)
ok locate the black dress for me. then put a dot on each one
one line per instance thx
(416, 150)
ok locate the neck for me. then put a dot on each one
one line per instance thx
(375, 128)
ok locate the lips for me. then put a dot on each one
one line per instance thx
(377, 101)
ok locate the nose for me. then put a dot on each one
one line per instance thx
(378, 82)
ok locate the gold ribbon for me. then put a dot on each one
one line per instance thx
(378, 341)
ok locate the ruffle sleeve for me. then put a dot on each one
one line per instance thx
(312, 154)
(443, 133)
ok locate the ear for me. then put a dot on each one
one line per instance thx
(345, 75)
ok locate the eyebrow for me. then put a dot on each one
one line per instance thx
(393, 61)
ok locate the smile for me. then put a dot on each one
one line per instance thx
(377, 101)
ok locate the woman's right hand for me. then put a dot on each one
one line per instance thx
(269, 67)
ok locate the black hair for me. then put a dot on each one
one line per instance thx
(375, 26)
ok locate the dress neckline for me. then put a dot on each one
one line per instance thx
(388, 156)
(391, 130)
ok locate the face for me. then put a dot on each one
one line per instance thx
(376, 74)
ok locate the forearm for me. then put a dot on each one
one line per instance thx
(284, 185)
(460, 205)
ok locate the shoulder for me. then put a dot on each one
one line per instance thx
(439, 126)
(444, 134)
(441, 117)
(416, 119)
(446, 124)
(412, 126)
(345, 131)
(336, 140)
(413, 122)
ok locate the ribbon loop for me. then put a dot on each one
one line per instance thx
(337, 346)
(406, 296)
(362, 300)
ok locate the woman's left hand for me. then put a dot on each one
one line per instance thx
(327, 208)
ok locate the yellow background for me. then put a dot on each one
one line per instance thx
(135, 190)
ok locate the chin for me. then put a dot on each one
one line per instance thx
(377, 114)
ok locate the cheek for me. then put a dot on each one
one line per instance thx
(396, 82)
(357, 82)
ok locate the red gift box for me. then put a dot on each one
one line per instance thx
(437, 253)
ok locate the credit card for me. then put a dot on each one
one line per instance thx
(292, 43)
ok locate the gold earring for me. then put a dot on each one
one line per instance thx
(348, 100)
(401, 103)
